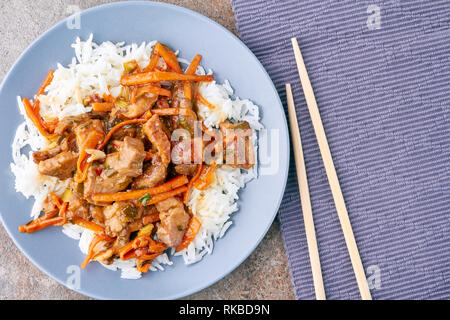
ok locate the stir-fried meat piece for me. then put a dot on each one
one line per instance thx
(108, 181)
(62, 166)
(83, 130)
(96, 212)
(48, 206)
(157, 171)
(174, 221)
(119, 215)
(143, 104)
(180, 101)
(69, 143)
(239, 151)
(178, 98)
(235, 127)
(162, 103)
(43, 155)
(67, 124)
(153, 175)
(244, 156)
(186, 169)
(128, 161)
(126, 131)
(155, 132)
(187, 152)
(78, 207)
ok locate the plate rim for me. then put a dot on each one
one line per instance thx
(197, 15)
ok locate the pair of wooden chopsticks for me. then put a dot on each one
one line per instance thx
(339, 202)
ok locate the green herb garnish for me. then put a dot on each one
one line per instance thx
(145, 198)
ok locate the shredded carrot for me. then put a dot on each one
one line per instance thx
(63, 210)
(36, 119)
(117, 127)
(205, 102)
(55, 200)
(164, 196)
(109, 98)
(97, 239)
(91, 142)
(153, 61)
(144, 265)
(191, 70)
(151, 218)
(80, 176)
(157, 76)
(174, 112)
(191, 183)
(147, 115)
(155, 90)
(136, 194)
(146, 242)
(189, 236)
(50, 127)
(206, 178)
(147, 257)
(47, 81)
(102, 106)
(169, 57)
(40, 224)
(87, 224)
(134, 94)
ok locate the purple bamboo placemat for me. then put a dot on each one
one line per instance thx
(381, 75)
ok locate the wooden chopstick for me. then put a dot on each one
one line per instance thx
(333, 180)
(304, 198)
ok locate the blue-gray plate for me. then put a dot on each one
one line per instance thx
(192, 33)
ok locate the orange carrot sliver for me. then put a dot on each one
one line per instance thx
(94, 242)
(157, 76)
(191, 70)
(35, 118)
(151, 218)
(39, 225)
(169, 186)
(189, 236)
(155, 90)
(206, 178)
(164, 196)
(169, 57)
(102, 106)
(174, 112)
(204, 101)
(48, 79)
(91, 142)
(109, 98)
(153, 61)
(87, 224)
(145, 242)
(116, 128)
(36, 106)
(191, 183)
(55, 200)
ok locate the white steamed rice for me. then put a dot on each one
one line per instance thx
(97, 69)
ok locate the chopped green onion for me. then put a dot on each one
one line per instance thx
(144, 199)
(130, 66)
